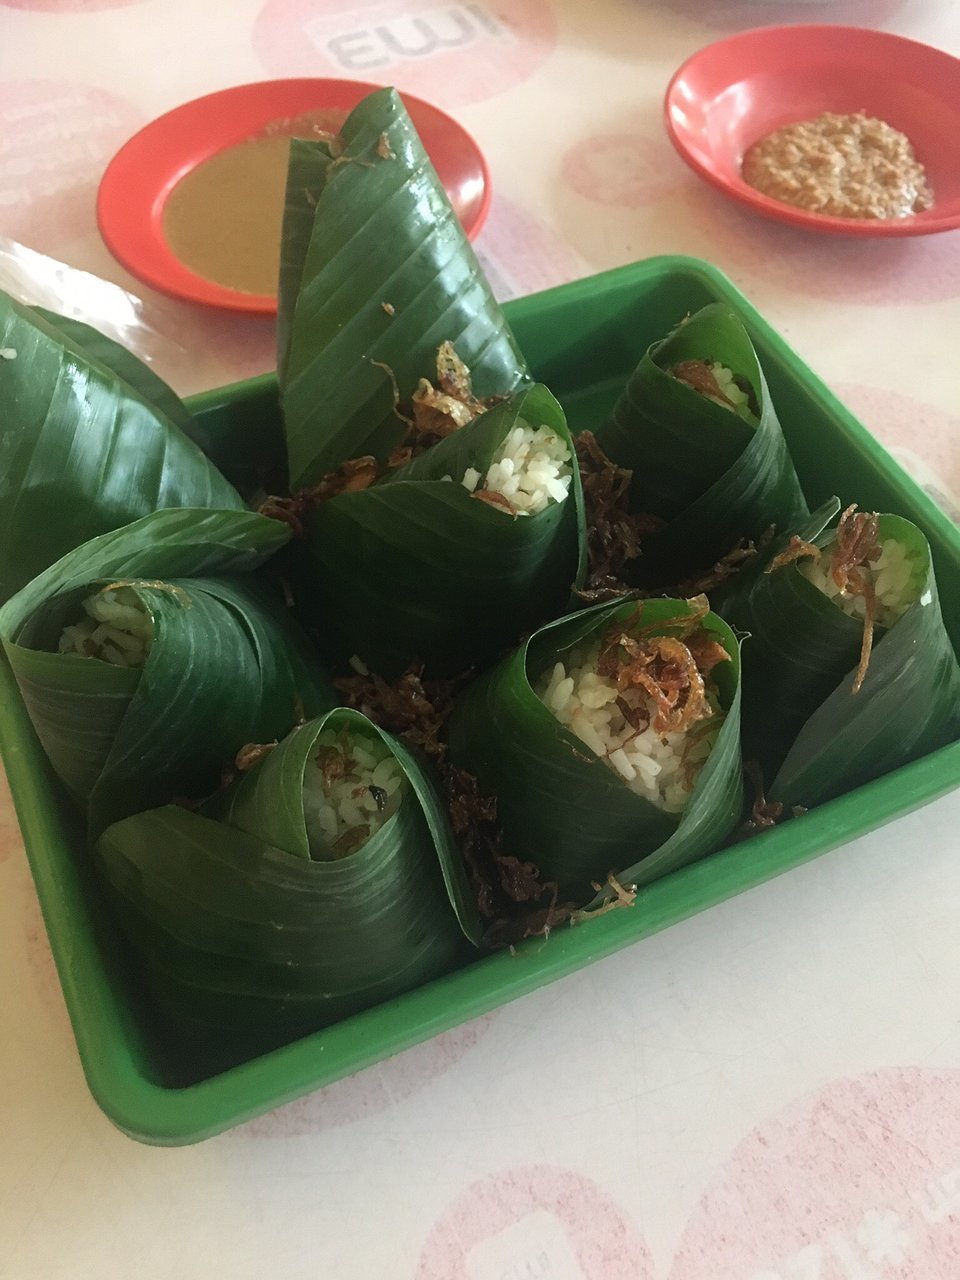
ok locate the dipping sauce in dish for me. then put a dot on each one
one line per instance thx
(845, 166)
(223, 219)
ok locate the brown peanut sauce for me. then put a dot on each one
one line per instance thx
(223, 219)
(845, 166)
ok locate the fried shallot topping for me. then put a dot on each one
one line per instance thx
(725, 568)
(355, 474)
(440, 411)
(764, 813)
(613, 533)
(796, 550)
(669, 669)
(252, 754)
(333, 764)
(700, 376)
(493, 498)
(856, 548)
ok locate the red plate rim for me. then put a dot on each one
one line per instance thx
(926, 223)
(138, 180)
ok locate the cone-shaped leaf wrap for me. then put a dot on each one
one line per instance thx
(226, 666)
(242, 929)
(376, 272)
(560, 805)
(716, 476)
(812, 735)
(415, 567)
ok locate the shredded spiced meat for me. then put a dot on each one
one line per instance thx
(613, 533)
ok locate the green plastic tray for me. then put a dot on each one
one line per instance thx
(582, 340)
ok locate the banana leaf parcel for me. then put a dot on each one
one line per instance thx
(419, 567)
(832, 698)
(696, 426)
(323, 881)
(563, 800)
(376, 274)
(149, 656)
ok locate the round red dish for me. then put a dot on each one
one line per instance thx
(734, 92)
(140, 177)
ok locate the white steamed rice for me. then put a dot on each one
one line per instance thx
(361, 801)
(661, 767)
(725, 382)
(892, 582)
(532, 468)
(116, 628)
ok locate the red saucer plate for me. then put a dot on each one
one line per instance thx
(138, 180)
(734, 92)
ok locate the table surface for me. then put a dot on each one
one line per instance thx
(768, 1091)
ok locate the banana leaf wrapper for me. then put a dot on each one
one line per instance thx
(84, 450)
(812, 735)
(250, 454)
(375, 274)
(415, 567)
(715, 477)
(559, 805)
(227, 665)
(241, 931)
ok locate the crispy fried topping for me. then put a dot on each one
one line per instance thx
(797, 550)
(669, 669)
(333, 764)
(856, 547)
(728, 565)
(384, 150)
(436, 413)
(453, 376)
(252, 754)
(411, 708)
(355, 474)
(399, 458)
(613, 533)
(395, 388)
(351, 840)
(493, 498)
(440, 411)
(764, 813)
(699, 375)
(621, 895)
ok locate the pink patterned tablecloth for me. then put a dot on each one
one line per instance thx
(770, 1091)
